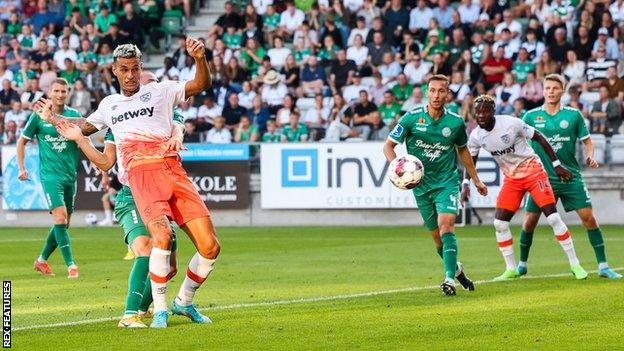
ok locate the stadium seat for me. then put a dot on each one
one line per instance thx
(600, 147)
(171, 23)
(617, 149)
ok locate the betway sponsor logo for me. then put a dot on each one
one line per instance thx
(146, 111)
(432, 151)
(556, 141)
(508, 150)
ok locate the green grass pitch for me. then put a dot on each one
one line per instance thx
(369, 288)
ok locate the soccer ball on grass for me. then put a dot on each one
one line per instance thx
(406, 172)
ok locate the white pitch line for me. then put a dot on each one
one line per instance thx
(299, 301)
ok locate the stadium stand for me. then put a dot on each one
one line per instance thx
(296, 50)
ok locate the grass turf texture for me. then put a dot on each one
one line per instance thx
(271, 264)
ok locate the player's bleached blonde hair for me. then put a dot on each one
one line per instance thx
(554, 77)
(486, 101)
(127, 51)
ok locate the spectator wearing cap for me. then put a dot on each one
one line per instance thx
(469, 11)
(351, 91)
(597, 68)
(80, 98)
(495, 67)
(419, 18)
(313, 78)
(434, 46)
(63, 53)
(376, 49)
(341, 72)
(416, 70)
(559, 48)
(360, 30)
(273, 91)
(610, 44)
(290, 20)
(103, 20)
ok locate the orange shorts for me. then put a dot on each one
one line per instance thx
(537, 184)
(163, 188)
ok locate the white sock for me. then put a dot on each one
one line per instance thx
(109, 215)
(563, 236)
(505, 243)
(40, 259)
(522, 264)
(603, 265)
(159, 269)
(198, 270)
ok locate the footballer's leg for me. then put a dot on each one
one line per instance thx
(202, 233)
(41, 263)
(161, 232)
(146, 300)
(531, 219)
(504, 240)
(446, 205)
(595, 238)
(141, 245)
(460, 273)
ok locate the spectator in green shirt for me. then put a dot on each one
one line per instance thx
(232, 38)
(103, 20)
(252, 55)
(295, 132)
(271, 135)
(71, 74)
(402, 90)
(246, 132)
(522, 66)
(390, 110)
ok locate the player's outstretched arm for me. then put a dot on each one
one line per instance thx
(561, 171)
(103, 160)
(203, 76)
(43, 107)
(466, 159)
(589, 152)
(389, 150)
(21, 151)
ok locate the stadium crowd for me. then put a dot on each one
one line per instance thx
(295, 71)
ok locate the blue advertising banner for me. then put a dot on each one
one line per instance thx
(17, 194)
(215, 152)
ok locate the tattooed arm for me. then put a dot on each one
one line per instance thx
(43, 107)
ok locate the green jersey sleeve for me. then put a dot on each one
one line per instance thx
(109, 137)
(32, 126)
(401, 130)
(462, 138)
(581, 128)
(177, 117)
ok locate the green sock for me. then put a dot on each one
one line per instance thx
(136, 284)
(439, 250)
(147, 299)
(449, 254)
(62, 239)
(526, 239)
(49, 246)
(595, 238)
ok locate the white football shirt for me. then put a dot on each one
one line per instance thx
(507, 143)
(141, 123)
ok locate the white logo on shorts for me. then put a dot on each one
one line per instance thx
(446, 132)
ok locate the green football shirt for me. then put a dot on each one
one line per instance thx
(269, 137)
(402, 94)
(521, 69)
(562, 131)
(246, 134)
(58, 157)
(389, 112)
(433, 142)
(294, 135)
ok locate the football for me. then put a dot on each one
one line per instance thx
(91, 219)
(406, 172)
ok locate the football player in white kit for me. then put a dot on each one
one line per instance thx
(140, 119)
(505, 138)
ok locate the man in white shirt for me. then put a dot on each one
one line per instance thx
(219, 134)
(63, 53)
(416, 70)
(209, 110)
(351, 93)
(16, 114)
(290, 19)
(508, 22)
(187, 110)
(469, 11)
(506, 139)
(74, 39)
(419, 17)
